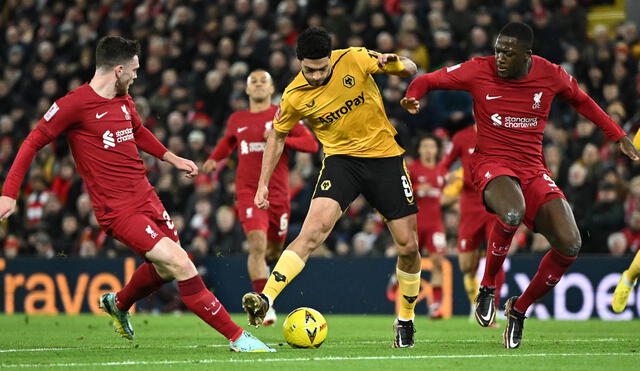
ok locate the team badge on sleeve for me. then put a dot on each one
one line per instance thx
(51, 112)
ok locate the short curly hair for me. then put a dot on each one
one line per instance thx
(313, 43)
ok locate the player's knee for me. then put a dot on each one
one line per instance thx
(181, 266)
(406, 247)
(570, 245)
(513, 217)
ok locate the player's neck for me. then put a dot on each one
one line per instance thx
(255, 107)
(104, 85)
(525, 70)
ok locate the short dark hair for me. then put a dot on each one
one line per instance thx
(313, 43)
(115, 50)
(431, 136)
(520, 31)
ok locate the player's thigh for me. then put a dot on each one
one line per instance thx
(499, 186)
(389, 188)
(554, 219)
(341, 179)
(170, 259)
(278, 211)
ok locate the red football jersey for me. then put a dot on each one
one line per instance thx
(246, 130)
(511, 114)
(430, 212)
(104, 136)
(463, 146)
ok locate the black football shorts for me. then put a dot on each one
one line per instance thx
(384, 182)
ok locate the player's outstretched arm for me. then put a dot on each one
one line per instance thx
(392, 64)
(190, 168)
(272, 152)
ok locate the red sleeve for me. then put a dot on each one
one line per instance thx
(456, 77)
(145, 140)
(227, 144)
(570, 91)
(62, 114)
(31, 145)
(301, 139)
(452, 155)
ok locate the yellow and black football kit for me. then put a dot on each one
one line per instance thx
(347, 115)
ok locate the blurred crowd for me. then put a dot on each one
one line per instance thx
(196, 55)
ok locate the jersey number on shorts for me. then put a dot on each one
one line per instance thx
(407, 187)
(167, 218)
(550, 181)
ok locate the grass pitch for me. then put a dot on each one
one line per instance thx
(355, 342)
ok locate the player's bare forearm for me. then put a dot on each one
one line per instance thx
(272, 152)
(628, 148)
(410, 67)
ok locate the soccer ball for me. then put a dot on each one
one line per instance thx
(305, 328)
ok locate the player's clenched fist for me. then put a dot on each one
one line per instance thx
(209, 166)
(7, 207)
(410, 104)
(262, 198)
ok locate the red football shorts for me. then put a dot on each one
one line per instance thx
(475, 222)
(140, 228)
(274, 221)
(432, 238)
(537, 186)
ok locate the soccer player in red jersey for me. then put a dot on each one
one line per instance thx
(104, 132)
(512, 93)
(475, 221)
(266, 230)
(428, 180)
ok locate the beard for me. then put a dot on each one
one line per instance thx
(122, 87)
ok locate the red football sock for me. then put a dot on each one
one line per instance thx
(206, 306)
(258, 285)
(497, 249)
(551, 269)
(437, 294)
(500, 277)
(144, 281)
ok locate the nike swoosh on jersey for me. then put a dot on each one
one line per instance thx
(488, 97)
(240, 130)
(99, 116)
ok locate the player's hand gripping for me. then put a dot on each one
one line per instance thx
(627, 147)
(262, 198)
(387, 57)
(410, 104)
(190, 168)
(209, 166)
(7, 207)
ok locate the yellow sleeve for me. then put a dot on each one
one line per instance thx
(367, 60)
(454, 188)
(286, 117)
(636, 140)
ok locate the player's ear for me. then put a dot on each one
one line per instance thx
(118, 70)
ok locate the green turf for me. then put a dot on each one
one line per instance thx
(354, 343)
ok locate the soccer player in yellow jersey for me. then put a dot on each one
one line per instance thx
(338, 97)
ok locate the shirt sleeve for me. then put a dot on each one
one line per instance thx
(62, 114)
(582, 103)
(225, 146)
(31, 145)
(367, 59)
(458, 77)
(301, 139)
(144, 138)
(452, 155)
(286, 116)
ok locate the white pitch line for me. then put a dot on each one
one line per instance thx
(314, 359)
(595, 340)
